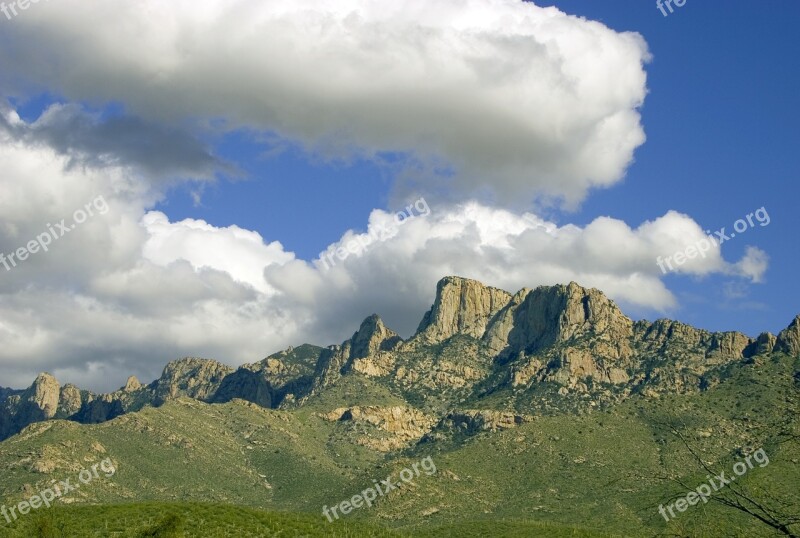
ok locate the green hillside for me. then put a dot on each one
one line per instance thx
(588, 473)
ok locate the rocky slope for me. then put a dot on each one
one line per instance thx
(476, 347)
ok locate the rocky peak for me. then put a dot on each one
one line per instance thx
(765, 343)
(44, 394)
(70, 400)
(462, 306)
(191, 377)
(788, 340)
(548, 315)
(132, 384)
(371, 337)
(566, 312)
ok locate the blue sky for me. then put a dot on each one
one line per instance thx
(720, 119)
(227, 176)
(722, 135)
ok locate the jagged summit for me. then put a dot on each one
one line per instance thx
(462, 306)
(475, 340)
(132, 384)
(192, 377)
(788, 340)
(549, 315)
(528, 320)
(372, 336)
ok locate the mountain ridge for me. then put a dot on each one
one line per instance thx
(567, 336)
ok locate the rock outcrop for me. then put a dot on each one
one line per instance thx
(190, 377)
(462, 306)
(765, 343)
(246, 385)
(550, 315)
(44, 395)
(131, 385)
(373, 336)
(555, 345)
(71, 399)
(482, 420)
(395, 427)
(788, 340)
(370, 341)
(667, 336)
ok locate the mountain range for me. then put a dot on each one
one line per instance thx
(520, 398)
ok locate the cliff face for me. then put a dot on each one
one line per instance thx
(191, 377)
(43, 396)
(371, 342)
(547, 316)
(246, 385)
(788, 340)
(462, 306)
(390, 428)
(45, 399)
(546, 344)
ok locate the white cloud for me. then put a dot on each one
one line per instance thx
(90, 139)
(518, 100)
(753, 265)
(503, 249)
(240, 253)
(93, 308)
(514, 100)
(129, 290)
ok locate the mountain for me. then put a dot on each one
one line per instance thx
(523, 399)
(539, 348)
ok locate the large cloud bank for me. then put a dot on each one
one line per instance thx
(128, 290)
(485, 104)
(500, 96)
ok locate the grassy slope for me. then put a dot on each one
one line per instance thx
(611, 470)
(184, 519)
(167, 520)
(600, 470)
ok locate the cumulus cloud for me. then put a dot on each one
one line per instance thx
(158, 152)
(753, 264)
(240, 253)
(492, 96)
(129, 290)
(506, 97)
(94, 306)
(498, 247)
